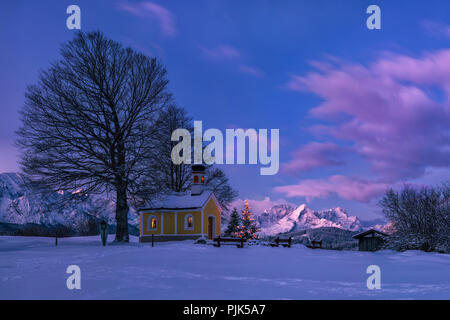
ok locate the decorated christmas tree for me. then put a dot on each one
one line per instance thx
(247, 229)
(235, 221)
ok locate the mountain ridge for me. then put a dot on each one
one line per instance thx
(22, 205)
(287, 218)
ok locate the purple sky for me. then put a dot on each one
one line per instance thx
(358, 110)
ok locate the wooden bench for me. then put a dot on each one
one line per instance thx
(315, 244)
(285, 242)
(239, 242)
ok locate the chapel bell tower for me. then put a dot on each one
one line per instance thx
(199, 179)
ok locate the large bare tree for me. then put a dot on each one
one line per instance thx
(88, 123)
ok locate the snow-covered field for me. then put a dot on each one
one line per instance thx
(33, 268)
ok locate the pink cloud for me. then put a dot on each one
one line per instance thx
(436, 28)
(314, 155)
(145, 9)
(251, 71)
(349, 188)
(389, 110)
(258, 206)
(221, 52)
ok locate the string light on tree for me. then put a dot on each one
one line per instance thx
(248, 228)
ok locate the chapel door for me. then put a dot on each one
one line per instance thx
(210, 227)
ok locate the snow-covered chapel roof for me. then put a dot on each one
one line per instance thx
(178, 201)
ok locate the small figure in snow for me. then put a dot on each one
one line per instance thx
(104, 231)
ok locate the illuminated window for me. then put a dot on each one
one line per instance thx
(195, 179)
(152, 223)
(203, 179)
(189, 222)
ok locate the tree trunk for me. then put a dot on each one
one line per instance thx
(121, 215)
(121, 191)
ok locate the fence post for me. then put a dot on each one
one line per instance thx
(152, 240)
(56, 241)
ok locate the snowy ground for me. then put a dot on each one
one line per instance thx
(33, 268)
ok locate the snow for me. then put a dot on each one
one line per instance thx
(181, 201)
(34, 268)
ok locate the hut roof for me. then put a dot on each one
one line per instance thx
(367, 232)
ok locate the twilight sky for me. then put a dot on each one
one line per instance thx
(358, 110)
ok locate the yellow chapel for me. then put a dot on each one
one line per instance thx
(181, 216)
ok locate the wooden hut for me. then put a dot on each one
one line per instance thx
(370, 240)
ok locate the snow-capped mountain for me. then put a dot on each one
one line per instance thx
(285, 218)
(21, 204)
(272, 215)
(341, 219)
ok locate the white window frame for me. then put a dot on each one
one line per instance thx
(149, 223)
(186, 217)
